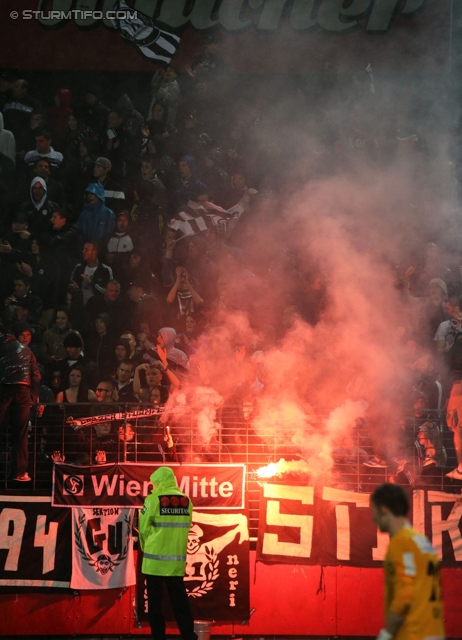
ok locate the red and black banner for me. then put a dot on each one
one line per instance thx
(329, 527)
(217, 568)
(209, 486)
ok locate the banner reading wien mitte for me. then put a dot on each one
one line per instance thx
(210, 487)
(217, 567)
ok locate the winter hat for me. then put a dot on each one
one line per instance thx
(440, 283)
(23, 302)
(125, 344)
(21, 327)
(73, 339)
(191, 162)
(20, 216)
(105, 318)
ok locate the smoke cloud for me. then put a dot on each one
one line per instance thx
(351, 185)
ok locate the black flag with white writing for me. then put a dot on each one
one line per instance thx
(34, 543)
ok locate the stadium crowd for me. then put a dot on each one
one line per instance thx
(126, 237)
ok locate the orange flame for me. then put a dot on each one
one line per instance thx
(278, 469)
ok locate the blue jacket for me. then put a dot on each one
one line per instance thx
(96, 221)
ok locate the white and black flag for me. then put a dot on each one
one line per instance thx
(141, 31)
(196, 218)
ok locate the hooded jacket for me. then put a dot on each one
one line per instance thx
(165, 521)
(39, 213)
(38, 205)
(175, 355)
(7, 142)
(96, 221)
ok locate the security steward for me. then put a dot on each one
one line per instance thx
(164, 524)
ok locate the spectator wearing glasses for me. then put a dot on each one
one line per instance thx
(105, 392)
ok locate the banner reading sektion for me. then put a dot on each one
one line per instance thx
(301, 525)
(102, 549)
(34, 542)
(210, 486)
(217, 568)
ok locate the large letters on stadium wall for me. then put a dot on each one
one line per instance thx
(298, 525)
(301, 525)
(233, 15)
(268, 36)
(35, 537)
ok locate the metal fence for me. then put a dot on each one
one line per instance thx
(231, 436)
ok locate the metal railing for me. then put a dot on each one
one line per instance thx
(231, 437)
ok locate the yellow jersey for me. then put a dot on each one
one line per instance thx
(413, 586)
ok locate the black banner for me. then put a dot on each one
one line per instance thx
(211, 487)
(34, 542)
(217, 568)
(327, 526)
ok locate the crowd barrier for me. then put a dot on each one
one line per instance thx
(138, 433)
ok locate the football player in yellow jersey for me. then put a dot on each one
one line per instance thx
(413, 606)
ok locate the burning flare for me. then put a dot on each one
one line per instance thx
(278, 469)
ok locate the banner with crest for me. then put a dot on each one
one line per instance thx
(102, 549)
(217, 568)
